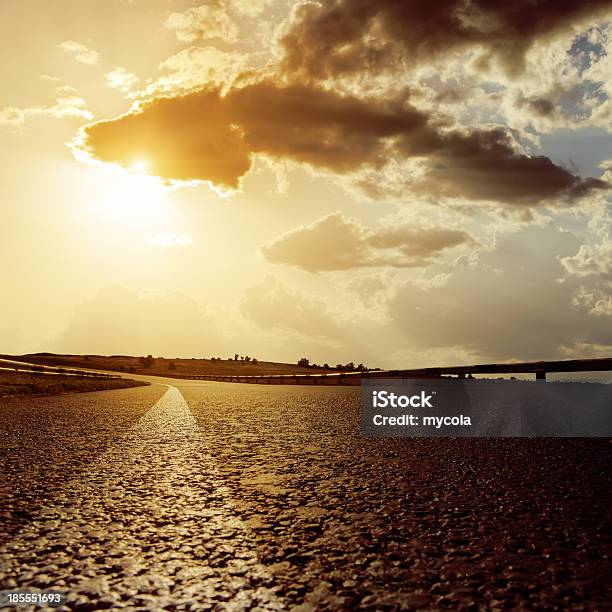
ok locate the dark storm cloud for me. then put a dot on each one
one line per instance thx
(210, 136)
(339, 37)
(484, 165)
(184, 137)
(541, 107)
(320, 127)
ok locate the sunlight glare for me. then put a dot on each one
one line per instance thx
(131, 197)
(140, 166)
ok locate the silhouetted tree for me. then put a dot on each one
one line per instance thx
(304, 362)
(147, 361)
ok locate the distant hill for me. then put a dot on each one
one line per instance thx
(163, 366)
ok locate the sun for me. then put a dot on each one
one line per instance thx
(131, 196)
(140, 166)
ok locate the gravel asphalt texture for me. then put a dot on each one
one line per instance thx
(231, 497)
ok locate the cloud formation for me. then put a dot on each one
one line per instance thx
(67, 104)
(485, 165)
(203, 22)
(120, 78)
(212, 135)
(214, 19)
(194, 67)
(337, 243)
(591, 261)
(511, 301)
(271, 306)
(326, 40)
(80, 52)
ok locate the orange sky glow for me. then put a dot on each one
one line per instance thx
(398, 184)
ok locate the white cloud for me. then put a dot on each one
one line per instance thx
(10, 115)
(593, 260)
(194, 67)
(215, 19)
(81, 53)
(120, 78)
(250, 8)
(203, 23)
(66, 105)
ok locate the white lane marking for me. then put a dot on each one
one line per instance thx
(151, 523)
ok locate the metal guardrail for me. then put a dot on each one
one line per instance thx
(539, 368)
(36, 368)
(344, 378)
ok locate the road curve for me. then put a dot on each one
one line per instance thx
(202, 495)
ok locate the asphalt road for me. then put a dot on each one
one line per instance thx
(224, 496)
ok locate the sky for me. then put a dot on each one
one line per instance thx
(400, 184)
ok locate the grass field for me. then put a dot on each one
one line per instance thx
(161, 366)
(24, 383)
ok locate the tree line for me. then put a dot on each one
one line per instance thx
(342, 367)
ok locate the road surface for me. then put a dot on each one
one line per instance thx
(203, 495)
